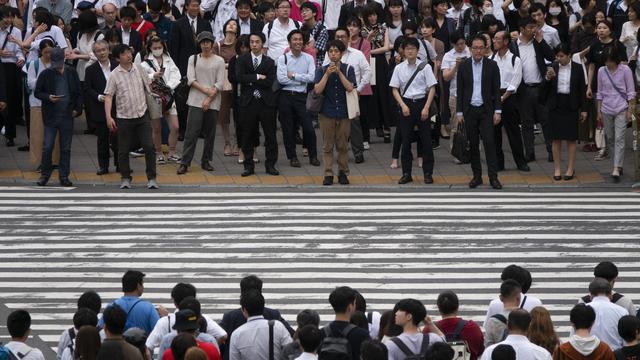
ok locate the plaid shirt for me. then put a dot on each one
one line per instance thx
(321, 37)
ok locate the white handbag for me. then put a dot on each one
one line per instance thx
(372, 66)
(353, 105)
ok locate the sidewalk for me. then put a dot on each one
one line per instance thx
(15, 167)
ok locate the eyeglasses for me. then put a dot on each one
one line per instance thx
(477, 48)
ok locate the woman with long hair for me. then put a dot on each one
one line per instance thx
(378, 36)
(226, 48)
(88, 33)
(88, 343)
(557, 19)
(161, 70)
(541, 331)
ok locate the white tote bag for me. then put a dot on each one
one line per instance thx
(353, 105)
(372, 67)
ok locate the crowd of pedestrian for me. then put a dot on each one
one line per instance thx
(149, 74)
(605, 326)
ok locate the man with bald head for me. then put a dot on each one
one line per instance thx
(109, 12)
(510, 78)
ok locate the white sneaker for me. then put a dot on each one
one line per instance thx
(365, 145)
(137, 153)
(152, 184)
(161, 160)
(125, 184)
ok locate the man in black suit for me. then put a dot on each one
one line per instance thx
(95, 81)
(354, 9)
(479, 108)
(183, 45)
(247, 24)
(128, 35)
(256, 73)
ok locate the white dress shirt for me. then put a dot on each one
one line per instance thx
(496, 306)
(277, 41)
(251, 340)
(358, 61)
(510, 71)
(420, 85)
(16, 51)
(245, 26)
(530, 72)
(525, 350)
(449, 62)
(307, 356)
(606, 325)
(29, 353)
(550, 35)
(126, 36)
(564, 78)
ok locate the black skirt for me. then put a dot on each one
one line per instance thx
(563, 122)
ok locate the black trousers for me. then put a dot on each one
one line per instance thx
(531, 112)
(407, 125)
(510, 122)
(130, 130)
(479, 122)
(183, 111)
(11, 115)
(106, 140)
(292, 115)
(255, 114)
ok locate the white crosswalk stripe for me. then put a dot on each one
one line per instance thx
(388, 245)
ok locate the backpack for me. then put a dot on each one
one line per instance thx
(513, 64)
(129, 323)
(336, 347)
(460, 347)
(72, 336)
(409, 354)
(503, 320)
(36, 64)
(297, 25)
(5, 353)
(614, 298)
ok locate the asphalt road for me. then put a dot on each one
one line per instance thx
(389, 245)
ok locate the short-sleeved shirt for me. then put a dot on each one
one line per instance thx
(277, 38)
(141, 313)
(420, 84)
(356, 336)
(209, 349)
(412, 341)
(128, 87)
(449, 62)
(597, 56)
(335, 97)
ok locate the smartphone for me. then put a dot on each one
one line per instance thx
(58, 96)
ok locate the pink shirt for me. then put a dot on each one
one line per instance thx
(365, 47)
(297, 16)
(613, 102)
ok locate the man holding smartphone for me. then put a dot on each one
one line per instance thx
(58, 87)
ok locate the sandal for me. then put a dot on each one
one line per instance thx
(227, 150)
(235, 151)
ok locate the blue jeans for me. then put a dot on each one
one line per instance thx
(66, 134)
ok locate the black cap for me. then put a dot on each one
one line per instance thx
(186, 320)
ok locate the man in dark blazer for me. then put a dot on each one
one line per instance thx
(243, 8)
(479, 108)
(127, 16)
(354, 9)
(256, 73)
(95, 81)
(58, 87)
(183, 45)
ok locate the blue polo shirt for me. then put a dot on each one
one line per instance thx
(143, 315)
(335, 97)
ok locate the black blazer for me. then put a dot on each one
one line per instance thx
(183, 42)
(349, 10)
(543, 52)
(255, 25)
(135, 40)
(246, 76)
(94, 85)
(577, 88)
(490, 86)
(46, 86)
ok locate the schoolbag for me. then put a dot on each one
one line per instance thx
(614, 298)
(460, 347)
(336, 347)
(503, 320)
(409, 354)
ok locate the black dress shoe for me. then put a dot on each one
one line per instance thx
(406, 178)
(569, 177)
(557, 177)
(206, 166)
(271, 170)
(524, 168)
(475, 182)
(314, 161)
(24, 148)
(42, 181)
(387, 138)
(295, 162)
(247, 172)
(342, 178)
(495, 183)
(359, 159)
(428, 179)
(550, 157)
(328, 180)
(66, 183)
(102, 171)
(616, 178)
(182, 169)
(10, 143)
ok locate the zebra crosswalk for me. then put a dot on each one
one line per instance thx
(387, 244)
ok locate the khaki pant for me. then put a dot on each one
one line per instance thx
(454, 119)
(36, 141)
(335, 132)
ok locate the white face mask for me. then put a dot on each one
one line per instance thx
(157, 52)
(554, 11)
(488, 9)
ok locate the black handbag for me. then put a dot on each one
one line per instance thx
(461, 149)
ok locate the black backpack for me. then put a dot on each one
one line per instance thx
(336, 347)
(459, 346)
(614, 298)
(410, 355)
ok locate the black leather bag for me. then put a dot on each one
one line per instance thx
(461, 149)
